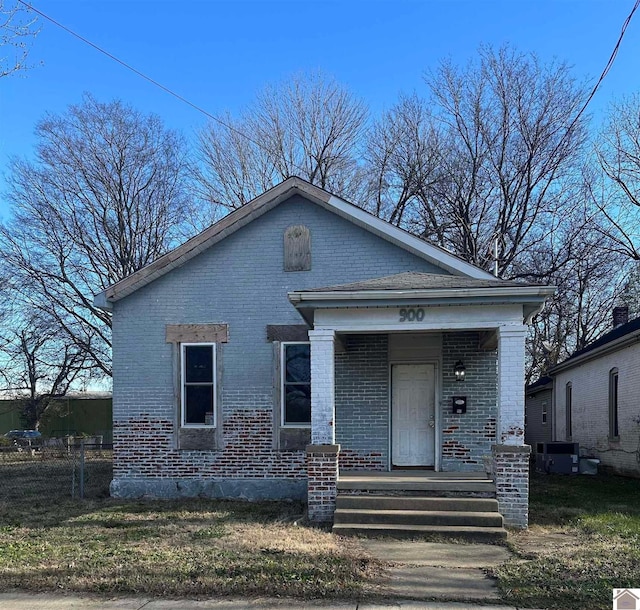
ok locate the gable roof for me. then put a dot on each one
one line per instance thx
(617, 338)
(544, 383)
(267, 201)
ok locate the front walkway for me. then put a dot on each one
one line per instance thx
(428, 570)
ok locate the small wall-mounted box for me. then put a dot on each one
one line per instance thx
(459, 405)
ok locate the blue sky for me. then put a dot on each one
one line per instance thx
(218, 54)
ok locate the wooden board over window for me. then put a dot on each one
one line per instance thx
(297, 248)
(197, 333)
(287, 332)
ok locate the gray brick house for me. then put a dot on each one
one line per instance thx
(300, 338)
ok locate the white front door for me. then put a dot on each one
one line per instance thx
(413, 414)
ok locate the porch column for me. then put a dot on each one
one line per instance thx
(510, 454)
(322, 387)
(322, 454)
(511, 384)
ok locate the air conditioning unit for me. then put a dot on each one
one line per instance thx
(558, 447)
(558, 457)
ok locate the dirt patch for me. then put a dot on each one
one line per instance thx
(539, 541)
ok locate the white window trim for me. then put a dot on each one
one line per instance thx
(545, 413)
(183, 360)
(283, 393)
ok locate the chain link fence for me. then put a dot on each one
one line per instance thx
(55, 468)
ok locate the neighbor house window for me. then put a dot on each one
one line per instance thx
(544, 412)
(568, 407)
(613, 403)
(198, 366)
(296, 384)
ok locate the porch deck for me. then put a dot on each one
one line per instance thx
(412, 474)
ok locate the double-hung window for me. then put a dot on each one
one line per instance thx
(614, 431)
(198, 391)
(568, 402)
(296, 384)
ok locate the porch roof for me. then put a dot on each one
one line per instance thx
(422, 288)
(416, 280)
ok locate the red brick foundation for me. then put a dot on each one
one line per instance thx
(361, 460)
(146, 447)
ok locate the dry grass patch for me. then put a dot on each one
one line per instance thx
(172, 549)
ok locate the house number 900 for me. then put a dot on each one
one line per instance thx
(411, 315)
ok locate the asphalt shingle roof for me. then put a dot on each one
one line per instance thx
(414, 280)
(612, 335)
(541, 383)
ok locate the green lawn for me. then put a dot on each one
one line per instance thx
(583, 541)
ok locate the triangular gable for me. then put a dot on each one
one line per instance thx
(261, 205)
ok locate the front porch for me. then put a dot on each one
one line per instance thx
(393, 426)
(385, 388)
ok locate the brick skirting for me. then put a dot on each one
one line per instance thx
(511, 475)
(322, 479)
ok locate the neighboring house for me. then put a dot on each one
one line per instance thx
(597, 397)
(300, 336)
(538, 412)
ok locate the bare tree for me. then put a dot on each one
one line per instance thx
(630, 296)
(38, 365)
(104, 197)
(590, 280)
(17, 27)
(309, 126)
(403, 156)
(233, 169)
(618, 197)
(494, 146)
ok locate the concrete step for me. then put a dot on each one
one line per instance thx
(377, 502)
(456, 487)
(468, 533)
(417, 517)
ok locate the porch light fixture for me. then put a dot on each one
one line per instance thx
(459, 370)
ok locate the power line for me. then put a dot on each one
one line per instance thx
(612, 58)
(149, 79)
(604, 73)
